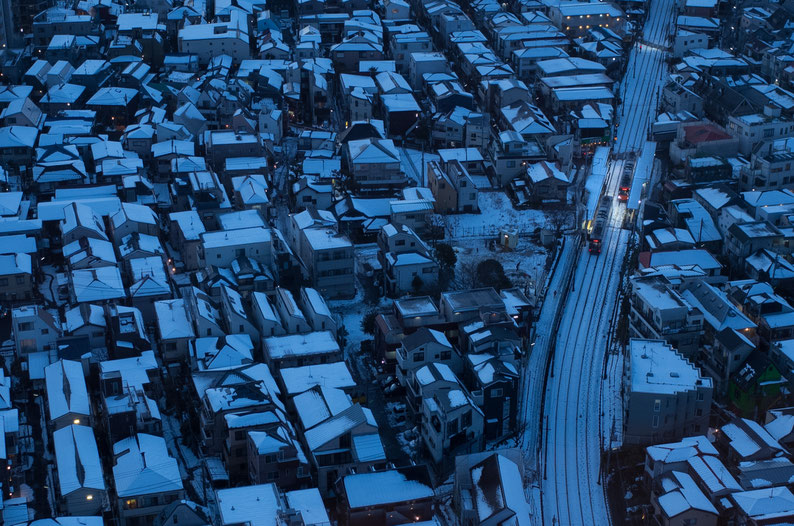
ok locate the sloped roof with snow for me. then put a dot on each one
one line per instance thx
(385, 487)
(66, 389)
(144, 466)
(77, 459)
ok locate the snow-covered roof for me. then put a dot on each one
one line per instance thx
(112, 96)
(144, 467)
(699, 257)
(261, 301)
(315, 300)
(12, 264)
(782, 424)
(747, 438)
(77, 460)
(83, 315)
(539, 172)
(66, 389)
(371, 151)
(320, 403)
(432, 372)
(385, 487)
(172, 319)
(97, 284)
(683, 494)
(299, 379)
(258, 505)
(497, 485)
(133, 370)
(338, 425)
(717, 309)
(406, 259)
(656, 367)
(189, 223)
(231, 238)
(765, 504)
(309, 503)
(326, 239)
(90, 252)
(18, 136)
(241, 219)
(713, 474)
(228, 352)
(681, 451)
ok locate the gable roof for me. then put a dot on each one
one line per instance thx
(144, 467)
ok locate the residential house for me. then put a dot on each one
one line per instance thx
(345, 441)
(453, 188)
(221, 248)
(451, 424)
(86, 321)
(296, 350)
(146, 478)
(328, 257)
(404, 494)
(423, 347)
(493, 384)
(185, 232)
(35, 330)
(81, 482)
(267, 320)
(276, 455)
(174, 328)
(316, 311)
(374, 164)
(67, 396)
(291, 316)
(486, 488)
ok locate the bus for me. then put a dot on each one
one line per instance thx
(625, 181)
(598, 225)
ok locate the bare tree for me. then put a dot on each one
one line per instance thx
(467, 274)
(559, 219)
(436, 227)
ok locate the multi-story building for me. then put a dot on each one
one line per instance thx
(759, 127)
(328, 257)
(423, 347)
(577, 18)
(222, 247)
(453, 188)
(146, 477)
(209, 40)
(374, 164)
(659, 313)
(666, 397)
(451, 424)
(770, 166)
(81, 482)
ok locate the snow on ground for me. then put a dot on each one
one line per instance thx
(612, 403)
(525, 266)
(350, 312)
(497, 212)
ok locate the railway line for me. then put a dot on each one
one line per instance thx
(572, 489)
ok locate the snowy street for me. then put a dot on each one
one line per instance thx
(572, 490)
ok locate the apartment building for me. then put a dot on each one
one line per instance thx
(667, 397)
